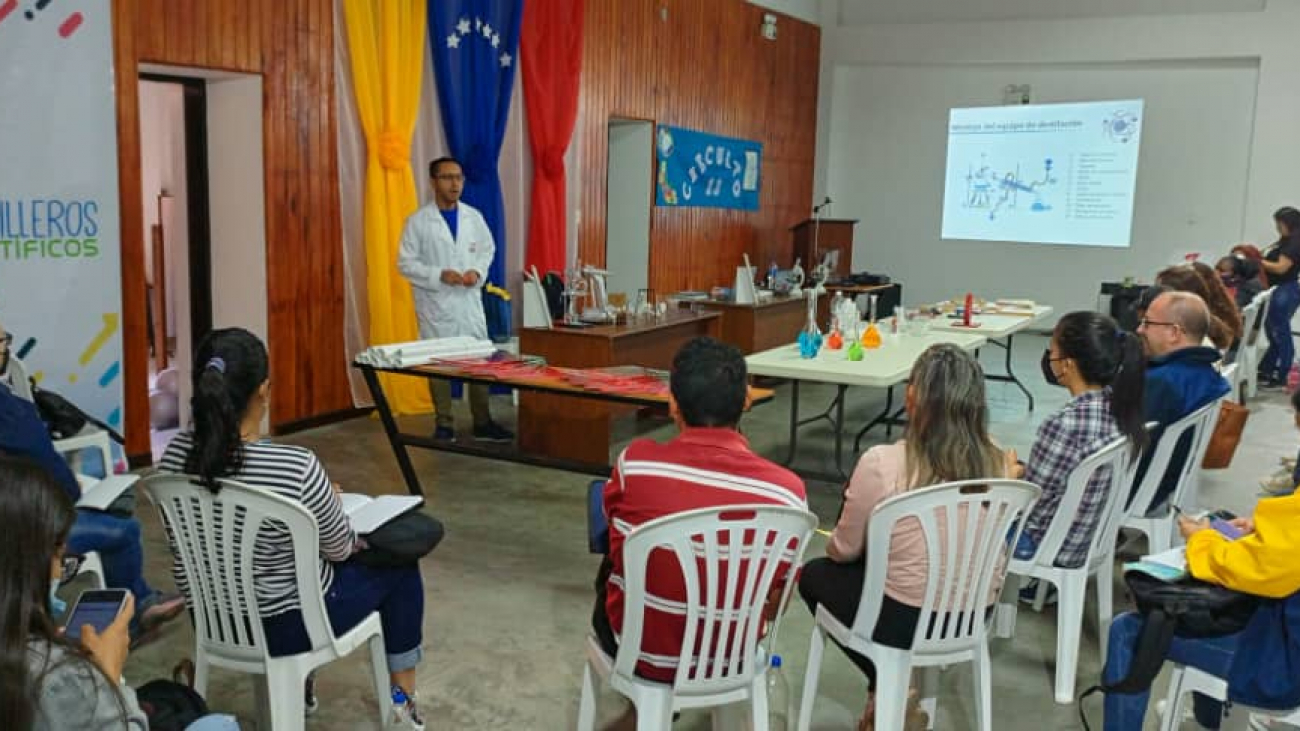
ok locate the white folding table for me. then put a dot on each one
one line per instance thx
(883, 367)
(999, 329)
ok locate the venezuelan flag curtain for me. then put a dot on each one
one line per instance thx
(386, 42)
(475, 46)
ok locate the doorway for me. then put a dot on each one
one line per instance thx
(629, 195)
(204, 223)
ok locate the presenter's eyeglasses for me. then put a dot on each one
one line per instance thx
(450, 177)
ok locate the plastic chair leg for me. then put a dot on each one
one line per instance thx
(587, 706)
(288, 705)
(1105, 604)
(758, 707)
(983, 676)
(1069, 623)
(1174, 701)
(201, 673)
(654, 713)
(816, 646)
(893, 680)
(379, 675)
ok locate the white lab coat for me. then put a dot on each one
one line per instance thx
(446, 310)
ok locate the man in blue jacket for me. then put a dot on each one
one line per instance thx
(116, 539)
(1181, 375)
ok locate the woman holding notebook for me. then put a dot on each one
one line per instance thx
(230, 400)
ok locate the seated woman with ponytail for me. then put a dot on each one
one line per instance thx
(1103, 368)
(230, 399)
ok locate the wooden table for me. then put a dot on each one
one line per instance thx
(752, 328)
(578, 432)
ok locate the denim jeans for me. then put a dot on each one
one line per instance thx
(358, 590)
(1125, 711)
(1277, 360)
(117, 541)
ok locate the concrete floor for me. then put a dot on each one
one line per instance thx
(509, 592)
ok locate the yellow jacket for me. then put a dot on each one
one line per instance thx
(1265, 563)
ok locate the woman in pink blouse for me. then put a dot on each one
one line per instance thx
(946, 440)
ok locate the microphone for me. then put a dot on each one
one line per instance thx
(826, 202)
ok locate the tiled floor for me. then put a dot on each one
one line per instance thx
(509, 592)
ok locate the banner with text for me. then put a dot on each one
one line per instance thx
(60, 272)
(703, 170)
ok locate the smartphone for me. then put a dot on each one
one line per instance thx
(95, 607)
(1228, 530)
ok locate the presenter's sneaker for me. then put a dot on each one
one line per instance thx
(405, 713)
(493, 432)
(444, 434)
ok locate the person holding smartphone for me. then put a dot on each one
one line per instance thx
(51, 681)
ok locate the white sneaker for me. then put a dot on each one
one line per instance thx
(1265, 722)
(405, 712)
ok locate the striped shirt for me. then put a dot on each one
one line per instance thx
(294, 473)
(701, 468)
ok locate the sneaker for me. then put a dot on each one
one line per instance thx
(310, 702)
(405, 713)
(444, 434)
(1280, 483)
(493, 432)
(1030, 593)
(1265, 722)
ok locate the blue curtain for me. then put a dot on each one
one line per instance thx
(475, 51)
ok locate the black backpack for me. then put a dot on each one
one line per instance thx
(169, 705)
(1188, 608)
(63, 418)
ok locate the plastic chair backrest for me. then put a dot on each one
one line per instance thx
(1117, 457)
(1252, 327)
(729, 557)
(981, 521)
(210, 535)
(1199, 423)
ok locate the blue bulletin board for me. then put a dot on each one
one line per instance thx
(706, 171)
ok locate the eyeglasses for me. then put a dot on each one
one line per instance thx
(451, 178)
(1152, 323)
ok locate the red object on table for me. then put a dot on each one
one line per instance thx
(966, 313)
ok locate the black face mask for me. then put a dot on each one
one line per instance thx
(1048, 374)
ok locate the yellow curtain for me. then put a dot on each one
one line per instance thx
(386, 42)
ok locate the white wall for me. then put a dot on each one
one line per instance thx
(1194, 170)
(627, 222)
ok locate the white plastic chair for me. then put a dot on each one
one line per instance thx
(965, 570)
(1159, 527)
(1252, 340)
(1184, 680)
(209, 535)
(1072, 583)
(91, 563)
(706, 543)
(1237, 381)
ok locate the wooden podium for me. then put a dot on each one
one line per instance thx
(836, 235)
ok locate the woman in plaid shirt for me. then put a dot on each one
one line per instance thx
(1103, 368)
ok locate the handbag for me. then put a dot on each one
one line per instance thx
(402, 541)
(1226, 436)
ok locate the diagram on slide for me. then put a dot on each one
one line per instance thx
(997, 192)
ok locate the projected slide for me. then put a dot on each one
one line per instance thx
(1046, 173)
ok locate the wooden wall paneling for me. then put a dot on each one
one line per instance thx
(705, 67)
(290, 43)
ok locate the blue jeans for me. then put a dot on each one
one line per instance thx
(117, 541)
(1277, 360)
(358, 590)
(1125, 711)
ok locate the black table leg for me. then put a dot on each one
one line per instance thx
(1010, 375)
(839, 431)
(390, 428)
(794, 422)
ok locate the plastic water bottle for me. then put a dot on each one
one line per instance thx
(780, 704)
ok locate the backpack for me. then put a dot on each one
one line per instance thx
(169, 705)
(402, 541)
(1188, 608)
(63, 418)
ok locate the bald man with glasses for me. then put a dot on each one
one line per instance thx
(1181, 375)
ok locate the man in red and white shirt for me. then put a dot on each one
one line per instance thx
(707, 465)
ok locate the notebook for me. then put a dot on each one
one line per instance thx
(367, 513)
(1168, 565)
(100, 494)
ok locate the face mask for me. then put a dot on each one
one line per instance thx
(57, 605)
(1048, 374)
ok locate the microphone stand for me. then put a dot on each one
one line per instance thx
(817, 230)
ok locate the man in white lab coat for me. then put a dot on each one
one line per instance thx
(445, 254)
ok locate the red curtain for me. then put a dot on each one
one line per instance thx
(550, 47)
